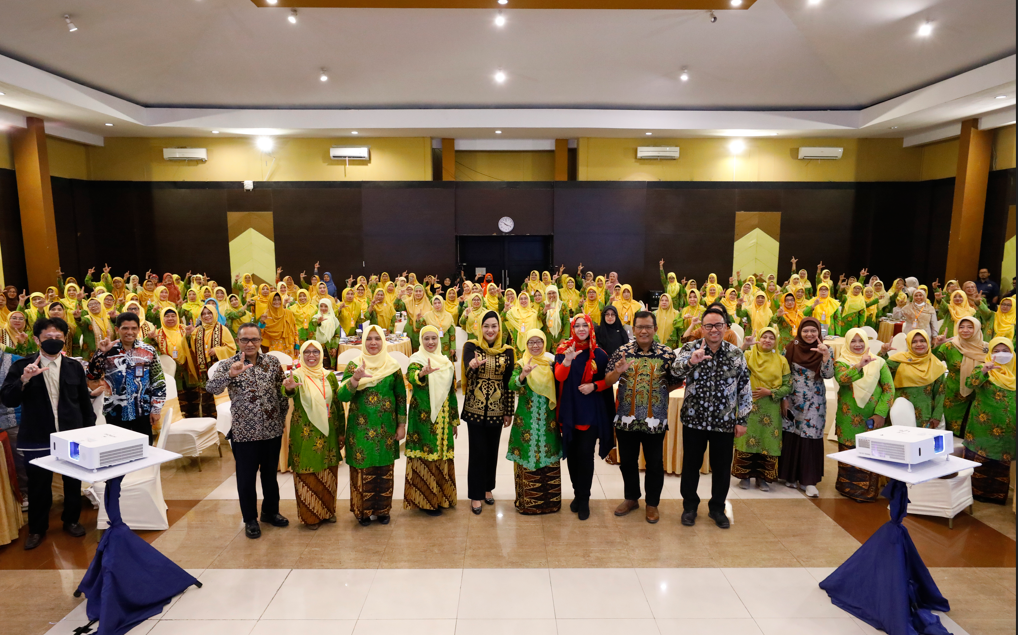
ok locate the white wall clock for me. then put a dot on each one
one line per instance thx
(506, 224)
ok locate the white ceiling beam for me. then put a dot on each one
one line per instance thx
(63, 132)
(997, 119)
(932, 136)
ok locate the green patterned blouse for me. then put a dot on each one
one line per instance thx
(991, 427)
(375, 412)
(310, 450)
(425, 439)
(850, 419)
(535, 440)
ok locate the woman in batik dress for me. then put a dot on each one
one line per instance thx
(962, 354)
(990, 433)
(919, 377)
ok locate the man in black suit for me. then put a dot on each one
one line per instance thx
(53, 396)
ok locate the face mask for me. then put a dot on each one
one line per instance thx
(52, 347)
(1003, 358)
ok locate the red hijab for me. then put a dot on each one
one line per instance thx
(582, 345)
(171, 287)
(488, 279)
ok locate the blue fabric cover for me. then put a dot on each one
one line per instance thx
(128, 581)
(885, 582)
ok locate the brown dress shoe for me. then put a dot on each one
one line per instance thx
(652, 515)
(626, 506)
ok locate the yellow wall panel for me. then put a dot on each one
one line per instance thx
(940, 160)
(764, 159)
(1003, 148)
(237, 159)
(67, 159)
(1007, 270)
(505, 166)
(6, 152)
(756, 252)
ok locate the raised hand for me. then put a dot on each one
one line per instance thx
(623, 367)
(188, 329)
(987, 367)
(290, 384)
(699, 355)
(359, 373)
(823, 349)
(77, 313)
(303, 274)
(866, 360)
(90, 271)
(31, 371)
(749, 341)
(236, 277)
(936, 283)
(526, 370)
(22, 338)
(794, 261)
(886, 347)
(570, 353)
(820, 267)
(279, 270)
(22, 297)
(317, 262)
(104, 345)
(238, 367)
(106, 268)
(662, 263)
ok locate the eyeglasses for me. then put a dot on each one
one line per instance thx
(713, 327)
(250, 340)
(643, 327)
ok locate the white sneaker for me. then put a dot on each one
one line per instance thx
(744, 483)
(791, 484)
(765, 486)
(812, 492)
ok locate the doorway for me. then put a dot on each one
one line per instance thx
(509, 259)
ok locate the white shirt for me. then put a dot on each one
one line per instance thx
(52, 378)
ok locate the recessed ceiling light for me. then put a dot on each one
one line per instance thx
(998, 96)
(500, 76)
(685, 75)
(649, 133)
(292, 18)
(503, 2)
(110, 125)
(70, 25)
(271, 1)
(926, 29)
(324, 77)
(500, 20)
(737, 146)
(736, 3)
(2, 93)
(894, 127)
(264, 144)
(354, 132)
(498, 132)
(215, 132)
(814, 3)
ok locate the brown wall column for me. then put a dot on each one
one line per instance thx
(974, 153)
(38, 224)
(561, 159)
(448, 159)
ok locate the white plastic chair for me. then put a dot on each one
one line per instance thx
(190, 437)
(401, 359)
(942, 497)
(870, 332)
(875, 347)
(739, 332)
(141, 494)
(899, 343)
(283, 358)
(224, 416)
(97, 408)
(461, 340)
(169, 366)
(903, 413)
(345, 358)
(400, 326)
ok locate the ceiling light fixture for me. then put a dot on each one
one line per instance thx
(215, 132)
(2, 93)
(499, 20)
(292, 18)
(271, 1)
(70, 25)
(503, 2)
(324, 77)
(354, 132)
(649, 133)
(685, 75)
(814, 3)
(713, 18)
(109, 125)
(736, 3)
(500, 76)
(926, 29)
(498, 132)
(264, 144)
(737, 146)
(998, 96)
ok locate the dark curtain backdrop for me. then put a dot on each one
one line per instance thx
(894, 229)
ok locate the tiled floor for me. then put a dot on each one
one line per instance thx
(503, 573)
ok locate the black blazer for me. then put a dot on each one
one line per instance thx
(74, 407)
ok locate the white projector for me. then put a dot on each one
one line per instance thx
(900, 444)
(97, 447)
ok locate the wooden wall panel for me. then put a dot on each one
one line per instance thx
(12, 245)
(479, 206)
(192, 230)
(318, 224)
(409, 228)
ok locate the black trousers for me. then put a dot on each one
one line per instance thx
(629, 442)
(483, 459)
(722, 448)
(141, 425)
(40, 496)
(252, 457)
(581, 463)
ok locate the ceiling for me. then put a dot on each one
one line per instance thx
(138, 63)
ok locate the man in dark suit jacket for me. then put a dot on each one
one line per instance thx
(53, 396)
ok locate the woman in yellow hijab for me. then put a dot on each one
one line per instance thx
(962, 354)
(770, 377)
(442, 320)
(170, 339)
(279, 330)
(990, 432)
(627, 306)
(1003, 319)
(919, 377)
(14, 338)
(853, 313)
(473, 313)
(958, 307)
(302, 309)
(381, 311)
(671, 283)
(95, 326)
(571, 295)
(350, 314)
(191, 306)
(261, 301)
(535, 445)
(692, 310)
(492, 299)
(36, 307)
(592, 305)
(731, 303)
(554, 314)
(666, 315)
(520, 319)
(417, 303)
(533, 282)
(452, 304)
(760, 313)
(713, 293)
(825, 308)
(599, 284)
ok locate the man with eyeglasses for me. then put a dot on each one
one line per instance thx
(643, 369)
(258, 409)
(718, 399)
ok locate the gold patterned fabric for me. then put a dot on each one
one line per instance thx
(316, 495)
(371, 491)
(430, 485)
(858, 484)
(486, 394)
(538, 491)
(755, 465)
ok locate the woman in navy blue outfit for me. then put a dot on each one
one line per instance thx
(585, 408)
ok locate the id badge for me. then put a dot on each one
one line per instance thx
(139, 371)
(175, 353)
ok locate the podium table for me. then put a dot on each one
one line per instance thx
(128, 580)
(885, 583)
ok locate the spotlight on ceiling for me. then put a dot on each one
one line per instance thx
(2, 93)
(109, 125)
(713, 17)
(736, 3)
(292, 18)
(503, 2)
(685, 75)
(70, 25)
(997, 97)
(500, 76)
(500, 20)
(926, 29)
(264, 144)
(498, 132)
(737, 146)
(814, 3)
(649, 133)
(354, 132)
(324, 77)
(215, 132)
(271, 1)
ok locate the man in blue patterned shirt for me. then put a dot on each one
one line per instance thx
(134, 375)
(718, 400)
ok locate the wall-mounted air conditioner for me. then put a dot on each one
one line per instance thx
(822, 154)
(186, 154)
(665, 153)
(350, 153)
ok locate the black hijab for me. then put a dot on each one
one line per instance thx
(611, 337)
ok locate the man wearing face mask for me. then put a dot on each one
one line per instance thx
(54, 397)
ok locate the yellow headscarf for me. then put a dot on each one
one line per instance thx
(1002, 376)
(70, 305)
(378, 366)
(1003, 323)
(864, 388)
(452, 304)
(262, 301)
(101, 326)
(826, 308)
(521, 319)
(541, 379)
(713, 292)
(692, 309)
(440, 381)
(665, 316)
(916, 370)
(415, 306)
(313, 388)
(767, 369)
(599, 286)
(350, 314)
(794, 316)
(303, 311)
(192, 306)
(571, 297)
(171, 340)
(280, 324)
(959, 311)
(440, 319)
(854, 303)
(731, 305)
(759, 316)
(627, 308)
(390, 292)
(553, 311)
(491, 298)
(592, 307)
(973, 351)
(674, 287)
(476, 315)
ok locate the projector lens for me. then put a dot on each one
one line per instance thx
(75, 453)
